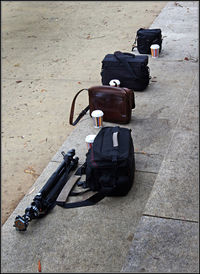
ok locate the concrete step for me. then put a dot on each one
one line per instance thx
(166, 238)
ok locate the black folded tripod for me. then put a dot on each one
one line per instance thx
(45, 200)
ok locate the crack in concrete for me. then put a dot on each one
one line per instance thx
(170, 218)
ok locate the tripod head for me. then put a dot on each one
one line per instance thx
(68, 156)
(31, 212)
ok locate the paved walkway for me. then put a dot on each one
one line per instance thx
(155, 227)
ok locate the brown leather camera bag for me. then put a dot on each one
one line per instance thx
(115, 102)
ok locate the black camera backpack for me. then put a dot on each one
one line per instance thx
(109, 166)
(147, 37)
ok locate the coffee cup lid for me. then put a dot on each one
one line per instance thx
(97, 113)
(155, 46)
(90, 138)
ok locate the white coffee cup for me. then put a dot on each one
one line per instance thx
(155, 50)
(97, 118)
(114, 83)
(89, 139)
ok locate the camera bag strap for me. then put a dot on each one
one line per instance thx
(83, 112)
(120, 56)
(67, 191)
(88, 202)
(134, 43)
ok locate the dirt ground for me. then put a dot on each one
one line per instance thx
(50, 50)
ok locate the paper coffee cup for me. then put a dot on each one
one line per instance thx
(114, 83)
(97, 118)
(89, 139)
(155, 50)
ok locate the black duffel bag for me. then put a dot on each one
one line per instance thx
(131, 70)
(145, 38)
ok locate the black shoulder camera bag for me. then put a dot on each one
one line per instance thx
(147, 37)
(109, 166)
(131, 70)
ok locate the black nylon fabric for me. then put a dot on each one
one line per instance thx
(131, 70)
(147, 37)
